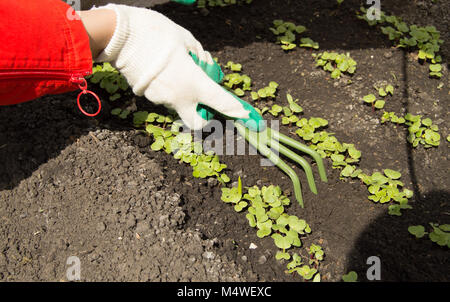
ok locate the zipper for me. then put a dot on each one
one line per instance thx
(76, 78)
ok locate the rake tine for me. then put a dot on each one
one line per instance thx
(303, 148)
(295, 157)
(258, 141)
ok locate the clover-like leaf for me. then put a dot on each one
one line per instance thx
(282, 255)
(296, 261)
(116, 111)
(370, 98)
(282, 242)
(354, 153)
(158, 144)
(264, 228)
(392, 174)
(293, 105)
(251, 219)
(390, 89)
(348, 171)
(231, 195)
(396, 209)
(439, 236)
(306, 272)
(240, 206)
(352, 276)
(379, 104)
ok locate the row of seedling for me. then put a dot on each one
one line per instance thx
(287, 35)
(266, 211)
(427, 40)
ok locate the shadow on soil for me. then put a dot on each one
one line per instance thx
(402, 256)
(34, 132)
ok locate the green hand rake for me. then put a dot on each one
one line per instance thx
(263, 138)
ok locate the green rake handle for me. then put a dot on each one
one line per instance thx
(254, 122)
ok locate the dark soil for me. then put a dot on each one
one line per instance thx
(92, 188)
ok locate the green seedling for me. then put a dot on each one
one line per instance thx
(435, 70)
(395, 209)
(336, 63)
(234, 196)
(371, 99)
(385, 188)
(276, 109)
(167, 137)
(237, 83)
(412, 37)
(306, 272)
(440, 234)
(116, 111)
(293, 106)
(289, 112)
(362, 14)
(266, 92)
(392, 117)
(382, 92)
(422, 131)
(266, 208)
(327, 145)
(296, 261)
(282, 255)
(122, 114)
(350, 277)
(143, 117)
(109, 79)
(303, 270)
(287, 32)
(316, 253)
(417, 230)
(307, 42)
(233, 66)
(391, 32)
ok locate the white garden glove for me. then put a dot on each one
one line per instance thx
(152, 52)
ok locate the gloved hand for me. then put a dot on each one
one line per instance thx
(152, 52)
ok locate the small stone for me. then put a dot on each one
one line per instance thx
(262, 259)
(208, 255)
(212, 182)
(100, 227)
(252, 246)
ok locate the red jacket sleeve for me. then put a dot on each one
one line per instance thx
(43, 49)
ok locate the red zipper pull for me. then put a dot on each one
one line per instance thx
(82, 84)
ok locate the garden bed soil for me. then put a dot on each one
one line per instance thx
(92, 188)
